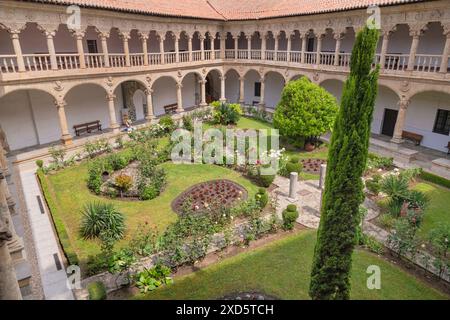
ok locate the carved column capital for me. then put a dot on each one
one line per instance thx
(49, 34)
(125, 36)
(110, 96)
(416, 30)
(60, 103)
(403, 103)
(104, 35)
(143, 36)
(148, 91)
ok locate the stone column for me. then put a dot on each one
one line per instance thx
(415, 33)
(403, 106)
(202, 47)
(177, 48)
(112, 113)
(275, 58)
(384, 49)
(51, 49)
(293, 185)
(263, 89)
(126, 49)
(323, 173)
(319, 47)
(79, 35)
(241, 90)
(15, 243)
(203, 92)
(263, 46)
(213, 49)
(103, 38)
(446, 52)
(338, 37)
(289, 46)
(190, 48)
(179, 98)
(144, 38)
(66, 138)
(304, 38)
(222, 89)
(17, 49)
(249, 47)
(161, 49)
(150, 115)
(9, 287)
(222, 45)
(236, 46)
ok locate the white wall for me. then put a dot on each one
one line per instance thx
(17, 121)
(387, 99)
(232, 87)
(273, 87)
(139, 99)
(249, 87)
(334, 87)
(87, 103)
(421, 116)
(164, 93)
(189, 90)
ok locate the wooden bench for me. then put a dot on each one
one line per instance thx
(448, 147)
(87, 127)
(171, 108)
(414, 137)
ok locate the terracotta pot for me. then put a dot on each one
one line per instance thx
(309, 147)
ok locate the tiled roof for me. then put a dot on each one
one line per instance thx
(227, 9)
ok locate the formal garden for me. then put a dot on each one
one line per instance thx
(135, 219)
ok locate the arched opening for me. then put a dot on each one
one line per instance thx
(34, 48)
(87, 102)
(134, 101)
(196, 53)
(164, 94)
(115, 42)
(229, 42)
(29, 117)
(191, 91)
(183, 47)
(135, 43)
(212, 86)
(232, 86)
(428, 114)
(385, 112)
(274, 84)
(334, 87)
(252, 88)
(7, 60)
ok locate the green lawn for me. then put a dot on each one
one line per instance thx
(70, 193)
(438, 212)
(282, 269)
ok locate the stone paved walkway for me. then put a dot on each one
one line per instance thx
(308, 200)
(54, 277)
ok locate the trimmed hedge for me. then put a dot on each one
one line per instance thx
(435, 179)
(262, 197)
(97, 291)
(290, 215)
(59, 225)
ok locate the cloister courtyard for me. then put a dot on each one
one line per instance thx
(224, 150)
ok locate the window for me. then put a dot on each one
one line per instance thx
(257, 89)
(92, 46)
(442, 123)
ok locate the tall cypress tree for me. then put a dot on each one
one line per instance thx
(330, 277)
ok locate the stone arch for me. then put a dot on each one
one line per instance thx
(191, 88)
(86, 103)
(164, 93)
(386, 101)
(33, 119)
(232, 76)
(274, 84)
(213, 84)
(426, 115)
(333, 86)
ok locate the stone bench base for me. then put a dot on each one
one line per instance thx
(441, 167)
(403, 157)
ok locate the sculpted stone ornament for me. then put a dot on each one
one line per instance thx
(3, 141)
(110, 82)
(58, 86)
(405, 87)
(5, 233)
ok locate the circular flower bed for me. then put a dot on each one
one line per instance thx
(214, 192)
(312, 165)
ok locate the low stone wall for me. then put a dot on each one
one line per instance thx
(441, 167)
(114, 282)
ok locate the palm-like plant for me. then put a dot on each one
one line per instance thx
(396, 187)
(100, 218)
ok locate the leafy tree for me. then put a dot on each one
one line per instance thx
(330, 276)
(305, 110)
